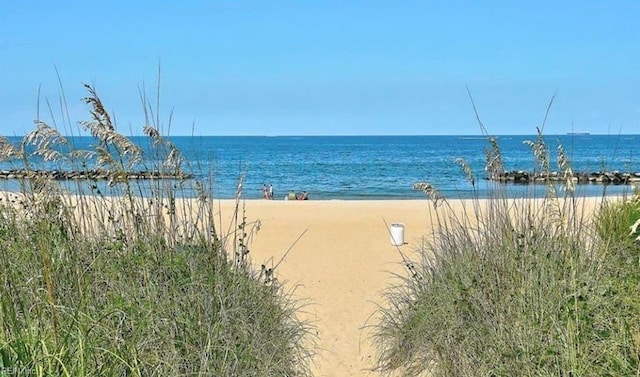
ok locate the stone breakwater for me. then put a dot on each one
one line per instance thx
(602, 177)
(94, 175)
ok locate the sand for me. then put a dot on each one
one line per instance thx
(341, 264)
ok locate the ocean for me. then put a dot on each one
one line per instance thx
(385, 167)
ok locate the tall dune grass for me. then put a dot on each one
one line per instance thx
(112, 278)
(518, 287)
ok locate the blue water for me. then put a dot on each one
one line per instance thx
(385, 167)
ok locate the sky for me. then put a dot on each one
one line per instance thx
(310, 67)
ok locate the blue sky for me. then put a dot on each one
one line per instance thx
(325, 67)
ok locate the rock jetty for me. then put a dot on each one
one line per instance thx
(600, 177)
(94, 175)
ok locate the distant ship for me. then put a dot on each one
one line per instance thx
(578, 133)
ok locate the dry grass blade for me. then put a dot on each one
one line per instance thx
(493, 156)
(546, 114)
(475, 112)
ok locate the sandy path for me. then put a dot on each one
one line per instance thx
(342, 263)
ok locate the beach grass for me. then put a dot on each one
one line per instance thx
(518, 287)
(119, 277)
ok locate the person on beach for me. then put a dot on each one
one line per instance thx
(265, 191)
(291, 196)
(303, 196)
(270, 191)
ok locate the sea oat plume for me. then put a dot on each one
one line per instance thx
(565, 166)
(98, 112)
(466, 169)
(493, 157)
(430, 191)
(8, 151)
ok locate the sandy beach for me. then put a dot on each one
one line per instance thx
(340, 265)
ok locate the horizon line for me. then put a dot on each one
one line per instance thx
(582, 133)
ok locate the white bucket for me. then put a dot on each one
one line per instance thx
(397, 234)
